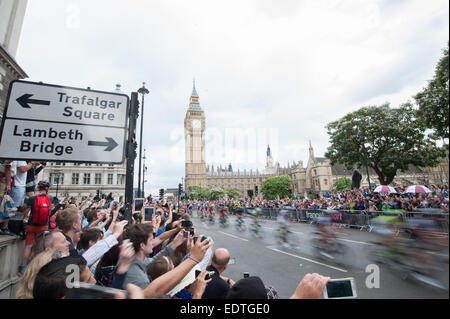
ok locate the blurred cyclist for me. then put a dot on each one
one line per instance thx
(325, 230)
(283, 222)
(223, 213)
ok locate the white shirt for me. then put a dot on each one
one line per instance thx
(21, 178)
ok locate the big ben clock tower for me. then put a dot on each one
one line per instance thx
(194, 137)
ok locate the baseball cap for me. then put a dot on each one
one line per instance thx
(248, 288)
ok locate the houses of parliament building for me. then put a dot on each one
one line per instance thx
(317, 177)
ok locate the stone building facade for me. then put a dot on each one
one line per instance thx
(12, 13)
(317, 177)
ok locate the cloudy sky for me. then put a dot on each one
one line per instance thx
(275, 71)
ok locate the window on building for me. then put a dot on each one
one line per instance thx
(88, 164)
(325, 182)
(76, 164)
(110, 178)
(98, 164)
(75, 178)
(87, 179)
(315, 172)
(120, 179)
(111, 165)
(56, 178)
(98, 178)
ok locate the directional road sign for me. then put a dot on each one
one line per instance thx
(57, 123)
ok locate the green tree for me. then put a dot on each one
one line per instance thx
(343, 183)
(385, 138)
(276, 186)
(233, 192)
(433, 100)
(217, 193)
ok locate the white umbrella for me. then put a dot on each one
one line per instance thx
(417, 189)
(385, 189)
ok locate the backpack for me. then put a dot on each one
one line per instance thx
(7, 207)
(42, 209)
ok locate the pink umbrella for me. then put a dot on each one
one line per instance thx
(385, 189)
(417, 189)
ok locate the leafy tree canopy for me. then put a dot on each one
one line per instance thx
(343, 183)
(433, 100)
(388, 139)
(276, 187)
(197, 192)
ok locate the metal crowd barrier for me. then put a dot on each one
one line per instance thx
(361, 220)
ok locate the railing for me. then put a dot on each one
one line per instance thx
(361, 220)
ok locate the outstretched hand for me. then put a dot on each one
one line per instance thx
(311, 287)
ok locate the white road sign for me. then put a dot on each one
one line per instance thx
(66, 105)
(55, 123)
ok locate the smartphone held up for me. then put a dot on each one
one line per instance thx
(343, 288)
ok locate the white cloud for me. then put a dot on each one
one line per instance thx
(291, 65)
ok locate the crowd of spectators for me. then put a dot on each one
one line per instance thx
(94, 241)
(349, 200)
(147, 260)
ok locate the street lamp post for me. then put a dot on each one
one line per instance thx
(142, 91)
(57, 183)
(361, 139)
(143, 175)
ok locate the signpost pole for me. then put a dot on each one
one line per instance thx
(131, 155)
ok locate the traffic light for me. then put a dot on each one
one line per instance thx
(161, 193)
(256, 190)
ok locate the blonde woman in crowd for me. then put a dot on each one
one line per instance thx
(25, 290)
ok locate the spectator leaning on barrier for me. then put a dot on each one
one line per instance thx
(219, 285)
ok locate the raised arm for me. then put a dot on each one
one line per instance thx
(165, 283)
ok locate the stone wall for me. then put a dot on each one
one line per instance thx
(11, 249)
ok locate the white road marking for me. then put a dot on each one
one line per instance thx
(296, 232)
(307, 259)
(233, 236)
(354, 241)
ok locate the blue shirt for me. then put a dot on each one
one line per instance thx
(160, 231)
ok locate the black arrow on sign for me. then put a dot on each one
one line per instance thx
(25, 101)
(111, 144)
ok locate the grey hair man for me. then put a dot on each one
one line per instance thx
(219, 285)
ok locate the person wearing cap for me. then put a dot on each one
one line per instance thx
(219, 285)
(310, 287)
(33, 230)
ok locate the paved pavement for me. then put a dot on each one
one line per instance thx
(283, 267)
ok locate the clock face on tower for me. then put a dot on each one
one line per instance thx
(196, 124)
